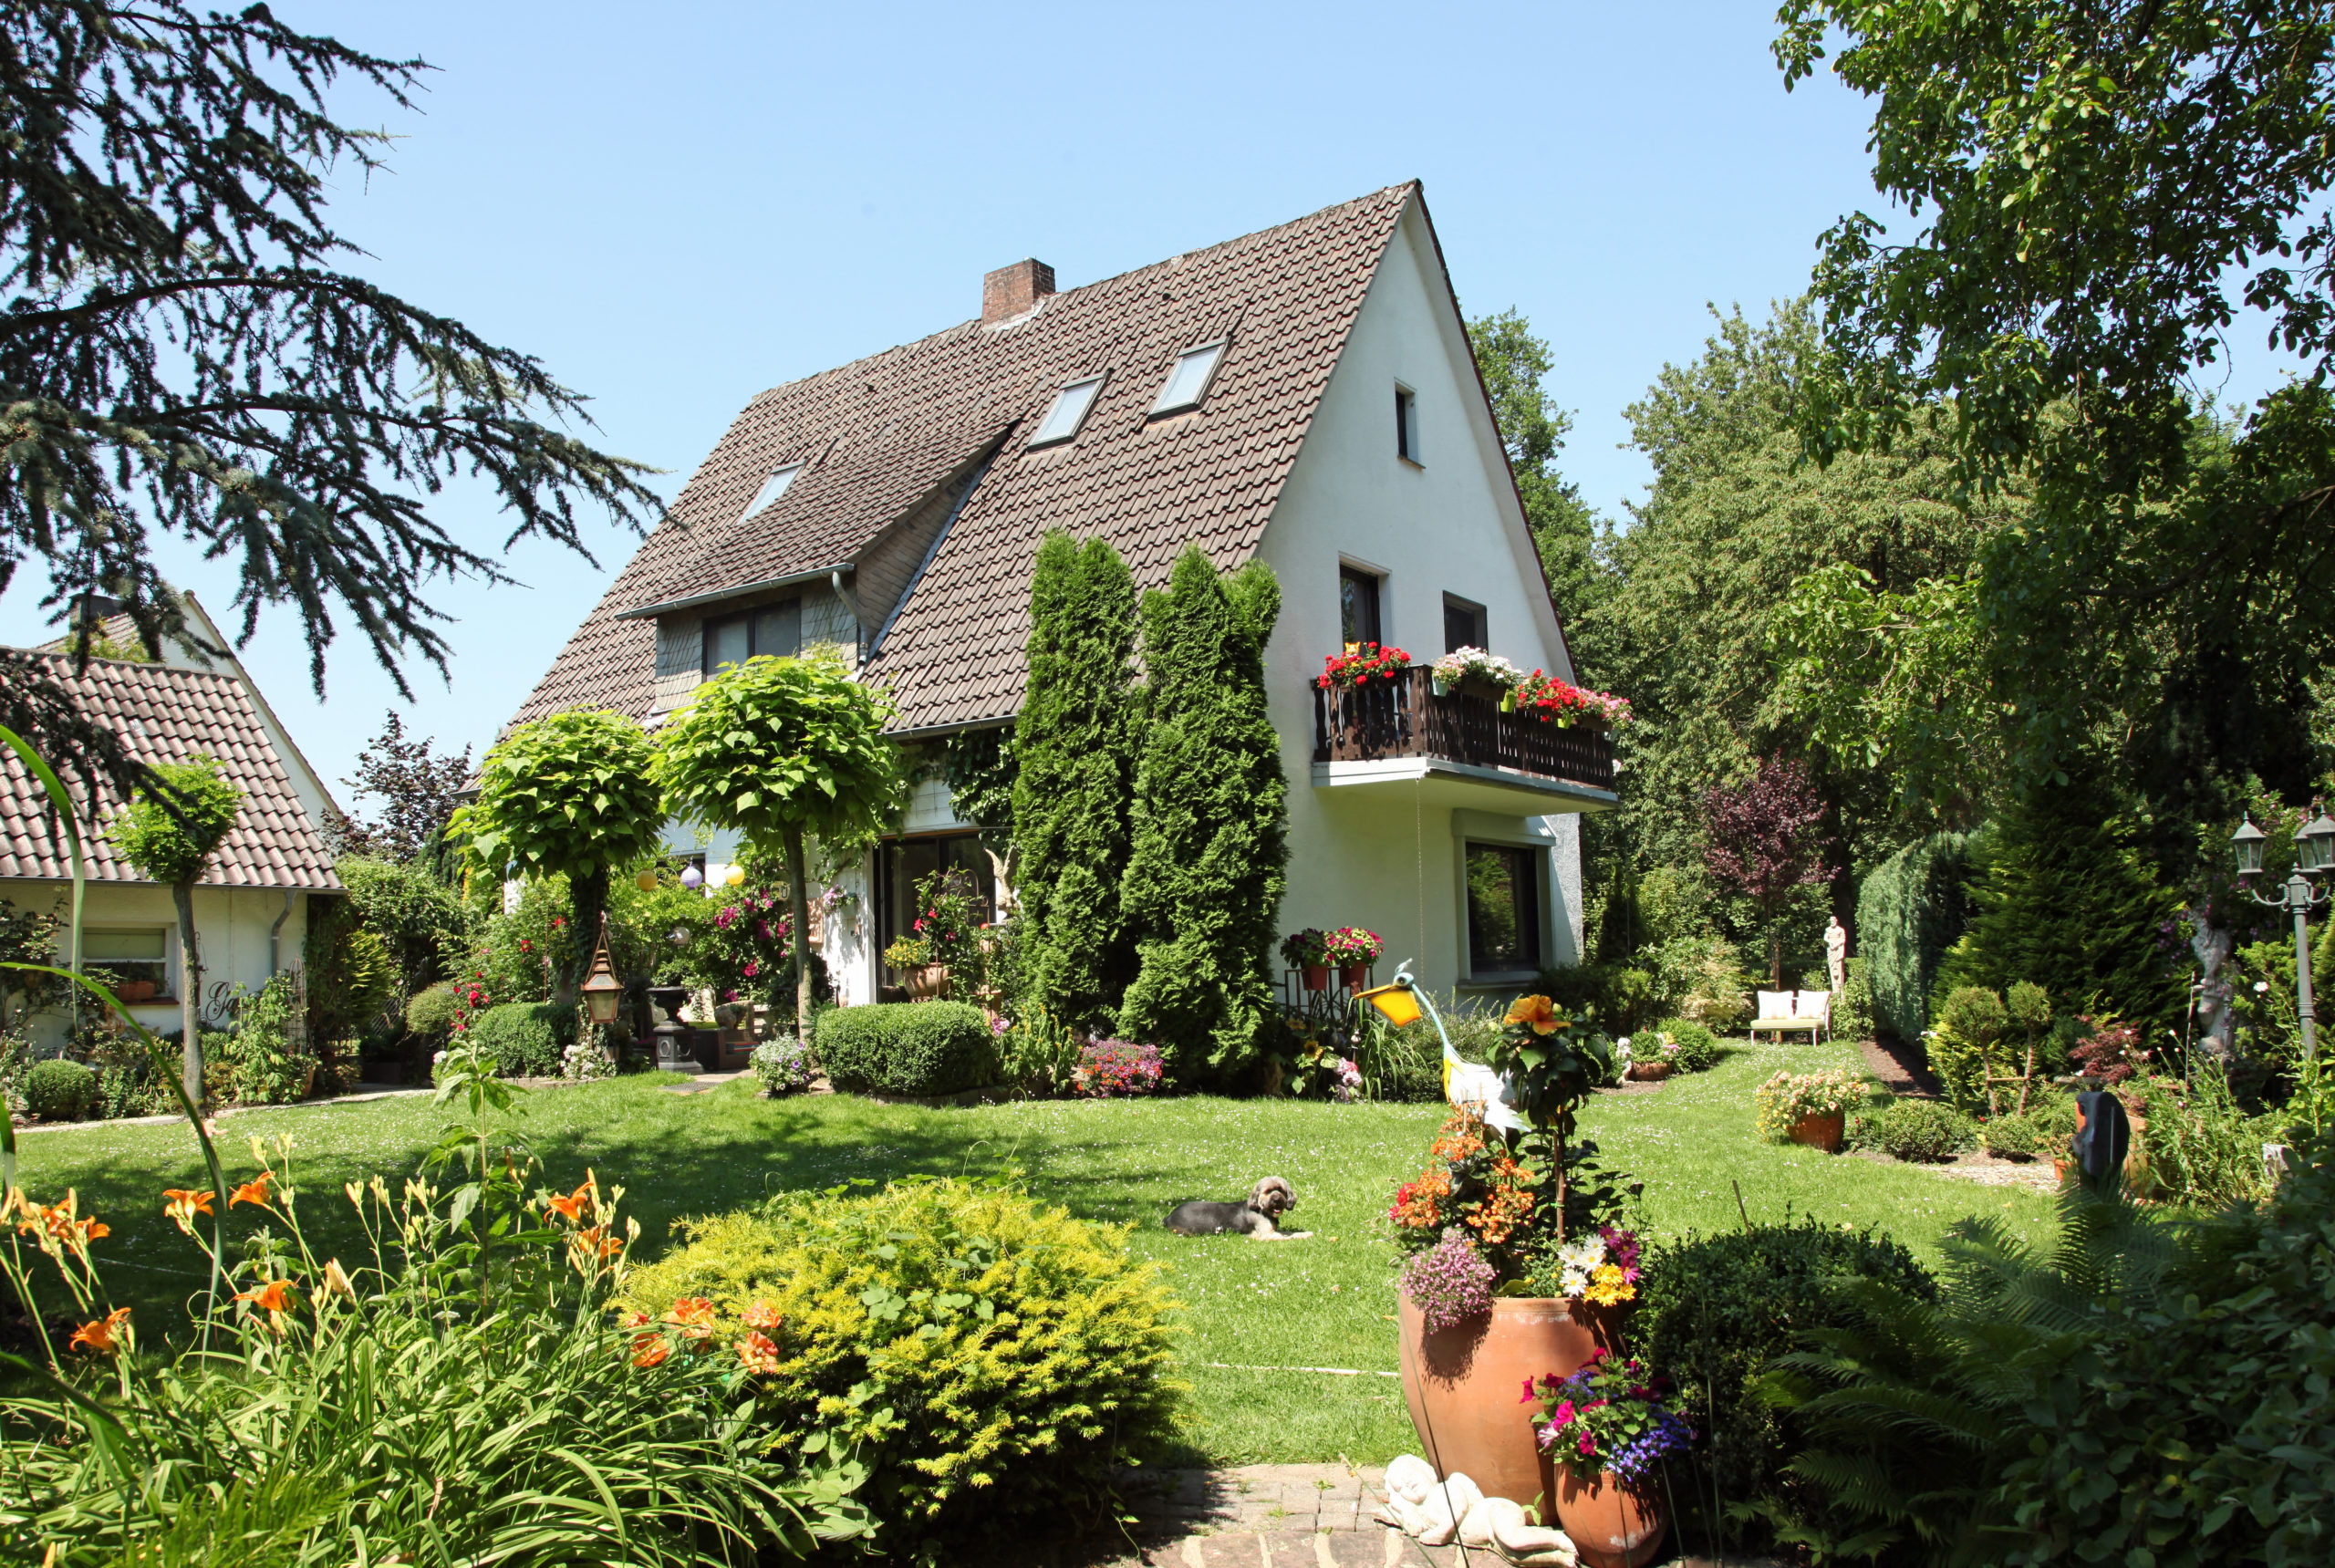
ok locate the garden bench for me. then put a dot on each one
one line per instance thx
(1782, 1010)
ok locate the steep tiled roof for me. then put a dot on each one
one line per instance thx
(168, 714)
(881, 433)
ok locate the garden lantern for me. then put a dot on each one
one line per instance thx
(692, 877)
(2247, 841)
(2315, 843)
(602, 989)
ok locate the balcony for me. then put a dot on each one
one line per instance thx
(1457, 749)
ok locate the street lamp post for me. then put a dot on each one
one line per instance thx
(2314, 856)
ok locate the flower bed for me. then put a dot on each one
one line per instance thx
(1109, 1069)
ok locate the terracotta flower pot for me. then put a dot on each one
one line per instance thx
(1819, 1132)
(1650, 1072)
(1352, 975)
(1464, 1386)
(135, 991)
(927, 982)
(1317, 976)
(1613, 1525)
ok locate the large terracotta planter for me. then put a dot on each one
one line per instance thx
(1611, 1524)
(1465, 1387)
(928, 982)
(1819, 1132)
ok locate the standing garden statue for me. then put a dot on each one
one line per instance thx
(569, 795)
(172, 841)
(777, 749)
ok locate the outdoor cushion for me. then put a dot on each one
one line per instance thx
(1775, 1004)
(1812, 1004)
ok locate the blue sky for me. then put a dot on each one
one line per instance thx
(675, 207)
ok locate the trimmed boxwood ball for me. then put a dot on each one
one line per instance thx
(525, 1037)
(58, 1090)
(991, 1360)
(1697, 1046)
(907, 1048)
(1924, 1131)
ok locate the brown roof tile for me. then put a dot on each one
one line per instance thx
(167, 714)
(879, 434)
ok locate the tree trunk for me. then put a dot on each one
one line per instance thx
(588, 895)
(190, 988)
(1775, 957)
(798, 903)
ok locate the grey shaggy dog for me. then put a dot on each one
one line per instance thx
(1266, 1202)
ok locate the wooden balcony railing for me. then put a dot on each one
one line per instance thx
(1404, 718)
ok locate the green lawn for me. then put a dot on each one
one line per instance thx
(1322, 1303)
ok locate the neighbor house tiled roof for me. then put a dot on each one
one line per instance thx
(880, 434)
(167, 714)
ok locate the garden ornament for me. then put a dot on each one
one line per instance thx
(1435, 1511)
(1469, 1086)
(1266, 1202)
(2104, 1134)
(1836, 954)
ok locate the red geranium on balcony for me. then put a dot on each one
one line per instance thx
(1368, 661)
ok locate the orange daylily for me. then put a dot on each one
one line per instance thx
(694, 1315)
(636, 1320)
(183, 1206)
(1537, 1010)
(595, 1241)
(336, 1280)
(762, 1314)
(758, 1353)
(276, 1296)
(56, 1223)
(649, 1349)
(575, 1205)
(97, 1334)
(253, 1190)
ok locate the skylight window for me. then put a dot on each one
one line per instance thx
(1069, 411)
(1187, 382)
(772, 488)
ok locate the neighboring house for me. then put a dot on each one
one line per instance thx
(250, 908)
(1305, 395)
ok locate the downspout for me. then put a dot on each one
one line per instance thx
(275, 932)
(858, 629)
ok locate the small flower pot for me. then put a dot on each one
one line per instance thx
(928, 982)
(1317, 976)
(1650, 1072)
(1613, 1525)
(132, 992)
(1354, 976)
(1442, 687)
(1819, 1132)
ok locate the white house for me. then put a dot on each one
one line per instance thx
(250, 908)
(1305, 395)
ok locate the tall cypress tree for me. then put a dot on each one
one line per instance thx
(1074, 742)
(1212, 824)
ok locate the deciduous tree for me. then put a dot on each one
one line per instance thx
(173, 843)
(1566, 530)
(1763, 838)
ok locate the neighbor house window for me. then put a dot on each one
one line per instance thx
(142, 954)
(1358, 604)
(1068, 412)
(1187, 382)
(1503, 907)
(1407, 424)
(1463, 625)
(772, 488)
(774, 629)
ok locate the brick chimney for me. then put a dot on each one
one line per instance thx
(1010, 290)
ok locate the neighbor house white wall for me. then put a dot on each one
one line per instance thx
(231, 924)
(1448, 524)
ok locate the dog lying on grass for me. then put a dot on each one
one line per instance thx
(1266, 1202)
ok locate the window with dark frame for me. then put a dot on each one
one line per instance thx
(902, 862)
(1407, 424)
(142, 954)
(1358, 604)
(1503, 907)
(775, 630)
(1463, 625)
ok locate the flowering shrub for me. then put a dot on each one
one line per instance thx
(1556, 701)
(1606, 1416)
(747, 952)
(587, 1062)
(1472, 1182)
(1461, 663)
(951, 924)
(1352, 944)
(1368, 661)
(1110, 1068)
(1308, 949)
(1788, 1097)
(784, 1065)
(1349, 1082)
(1600, 1267)
(1451, 1281)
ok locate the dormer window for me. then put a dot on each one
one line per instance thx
(1069, 412)
(1187, 382)
(772, 488)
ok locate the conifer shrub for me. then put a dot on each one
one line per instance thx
(990, 1359)
(525, 1038)
(1910, 908)
(58, 1090)
(908, 1048)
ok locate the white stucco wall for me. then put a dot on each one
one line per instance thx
(1382, 857)
(231, 925)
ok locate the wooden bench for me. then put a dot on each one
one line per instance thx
(1783, 1010)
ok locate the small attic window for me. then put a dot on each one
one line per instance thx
(1069, 411)
(1187, 382)
(772, 488)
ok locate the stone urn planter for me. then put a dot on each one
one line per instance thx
(1461, 1386)
(1819, 1132)
(1613, 1525)
(928, 982)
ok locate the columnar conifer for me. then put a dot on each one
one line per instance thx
(1212, 823)
(1075, 741)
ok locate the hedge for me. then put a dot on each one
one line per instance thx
(58, 1090)
(527, 1037)
(907, 1048)
(1910, 908)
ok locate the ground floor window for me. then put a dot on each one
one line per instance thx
(140, 956)
(1503, 907)
(902, 862)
